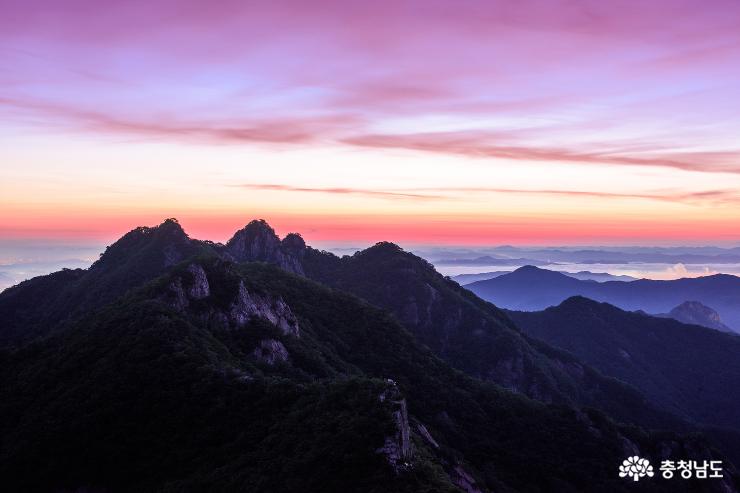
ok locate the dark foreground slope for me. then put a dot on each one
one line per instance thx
(685, 368)
(226, 377)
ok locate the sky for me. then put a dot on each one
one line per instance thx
(462, 122)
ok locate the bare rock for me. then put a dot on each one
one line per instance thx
(426, 435)
(397, 447)
(464, 480)
(271, 352)
(257, 242)
(200, 288)
(274, 309)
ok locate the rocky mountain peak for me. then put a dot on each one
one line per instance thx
(170, 226)
(697, 313)
(257, 242)
(167, 243)
(293, 242)
(384, 247)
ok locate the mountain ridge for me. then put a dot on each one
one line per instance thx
(178, 353)
(660, 356)
(468, 333)
(536, 289)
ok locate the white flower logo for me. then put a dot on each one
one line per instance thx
(636, 468)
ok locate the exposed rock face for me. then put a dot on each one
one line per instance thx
(464, 480)
(248, 305)
(456, 471)
(271, 352)
(245, 306)
(176, 297)
(397, 447)
(293, 249)
(696, 313)
(257, 242)
(200, 288)
(179, 295)
(426, 435)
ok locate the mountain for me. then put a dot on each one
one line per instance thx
(257, 242)
(472, 335)
(489, 260)
(627, 255)
(271, 366)
(34, 307)
(684, 368)
(531, 288)
(463, 279)
(223, 376)
(583, 275)
(466, 332)
(695, 313)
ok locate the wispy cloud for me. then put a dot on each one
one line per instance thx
(447, 193)
(345, 72)
(480, 145)
(347, 128)
(344, 191)
(286, 130)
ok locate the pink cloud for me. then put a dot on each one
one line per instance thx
(728, 196)
(343, 191)
(297, 72)
(475, 144)
(267, 130)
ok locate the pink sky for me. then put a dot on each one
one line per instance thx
(463, 122)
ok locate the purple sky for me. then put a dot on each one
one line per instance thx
(520, 121)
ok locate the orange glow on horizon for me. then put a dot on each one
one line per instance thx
(368, 228)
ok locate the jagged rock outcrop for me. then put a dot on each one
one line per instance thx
(199, 288)
(397, 447)
(257, 242)
(193, 287)
(248, 305)
(271, 352)
(426, 435)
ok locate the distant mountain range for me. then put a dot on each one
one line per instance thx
(583, 275)
(263, 364)
(531, 288)
(596, 255)
(489, 260)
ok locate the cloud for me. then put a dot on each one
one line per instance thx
(481, 145)
(284, 130)
(296, 72)
(343, 191)
(680, 270)
(447, 193)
